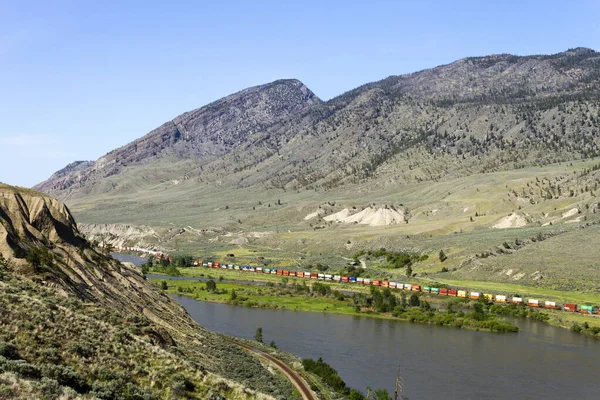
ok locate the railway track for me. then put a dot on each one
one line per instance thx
(296, 379)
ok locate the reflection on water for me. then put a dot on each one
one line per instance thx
(540, 362)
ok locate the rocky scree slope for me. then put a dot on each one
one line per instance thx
(475, 115)
(78, 324)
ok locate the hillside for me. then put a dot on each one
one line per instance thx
(464, 156)
(75, 323)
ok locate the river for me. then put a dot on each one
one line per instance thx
(540, 362)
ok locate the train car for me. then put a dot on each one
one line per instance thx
(237, 267)
(321, 276)
(251, 269)
(328, 277)
(307, 275)
(224, 266)
(586, 309)
(517, 300)
(376, 283)
(314, 276)
(360, 280)
(205, 263)
(210, 264)
(385, 284)
(408, 286)
(488, 296)
(393, 285)
(550, 304)
(345, 279)
(259, 270)
(435, 290)
(425, 289)
(443, 291)
(367, 281)
(462, 293)
(415, 288)
(273, 271)
(279, 272)
(500, 298)
(452, 292)
(474, 295)
(216, 265)
(337, 278)
(352, 279)
(533, 303)
(300, 274)
(231, 266)
(570, 307)
(267, 270)
(286, 273)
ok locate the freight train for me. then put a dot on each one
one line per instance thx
(441, 291)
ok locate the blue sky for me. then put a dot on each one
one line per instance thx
(81, 78)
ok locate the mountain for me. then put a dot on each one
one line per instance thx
(76, 323)
(205, 134)
(473, 107)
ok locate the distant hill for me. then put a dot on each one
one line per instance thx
(484, 113)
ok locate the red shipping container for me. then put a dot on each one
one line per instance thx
(444, 291)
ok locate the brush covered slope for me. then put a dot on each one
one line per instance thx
(75, 323)
(466, 157)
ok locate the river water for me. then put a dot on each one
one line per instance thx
(540, 362)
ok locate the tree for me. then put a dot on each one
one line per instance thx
(272, 344)
(409, 271)
(258, 336)
(442, 256)
(414, 300)
(233, 294)
(211, 286)
(164, 285)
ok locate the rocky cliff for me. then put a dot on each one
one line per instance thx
(76, 323)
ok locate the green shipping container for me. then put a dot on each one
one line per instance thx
(426, 289)
(435, 290)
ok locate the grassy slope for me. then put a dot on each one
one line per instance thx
(222, 220)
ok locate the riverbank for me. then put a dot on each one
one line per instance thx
(321, 297)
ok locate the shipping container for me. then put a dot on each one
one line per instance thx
(328, 277)
(307, 275)
(273, 271)
(435, 290)
(475, 295)
(443, 291)
(314, 276)
(376, 283)
(360, 280)
(210, 264)
(259, 269)
(488, 296)
(500, 298)
(517, 300)
(237, 267)
(393, 284)
(415, 288)
(533, 303)
(426, 289)
(385, 283)
(321, 276)
(570, 307)
(216, 265)
(586, 309)
(452, 292)
(286, 273)
(352, 279)
(408, 286)
(204, 263)
(279, 272)
(550, 304)
(224, 266)
(367, 281)
(337, 278)
(345, 279)
(300, 274)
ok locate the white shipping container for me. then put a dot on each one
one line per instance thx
(550, 304)
(321, 276)
(533, 301)
(392, 284)
(337, 278)
(307, 274)
(500, 298)
(474, 294)
(517, 300)
(327, 276)
(367, 281)
(407, 286)
(360, 280)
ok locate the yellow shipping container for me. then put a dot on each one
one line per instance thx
(488, 296)
(462, 293)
